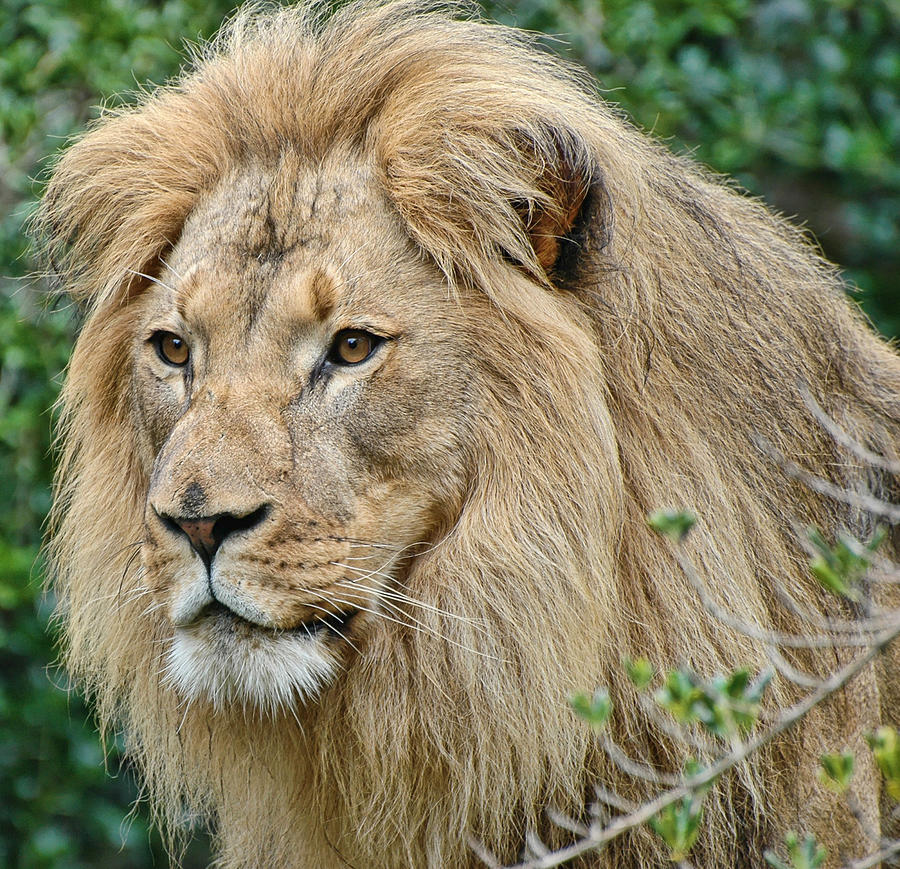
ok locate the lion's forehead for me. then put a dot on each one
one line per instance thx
(279, 251)
(260, 213)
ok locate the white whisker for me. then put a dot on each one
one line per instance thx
(331, 613)
(410, 621)
(154, 280)
(171, 268)
(384, 592)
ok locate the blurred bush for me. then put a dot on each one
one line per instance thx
(798, 99)
(63, 807)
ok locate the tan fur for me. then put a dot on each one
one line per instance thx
(582, 328)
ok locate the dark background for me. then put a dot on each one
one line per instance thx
(797, 99)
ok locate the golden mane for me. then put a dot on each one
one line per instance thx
(667, 325)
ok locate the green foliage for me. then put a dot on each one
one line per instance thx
(595, 709)
(840, 567)
(807, 854)
(58, 58)
(640, 671)
(836, 770)
(678, 824)
(64, 805)
(673, 524)
(726, 706)
(885, 745)
(798, 99)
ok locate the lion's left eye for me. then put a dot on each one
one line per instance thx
(352, 346)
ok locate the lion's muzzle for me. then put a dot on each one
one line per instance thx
(246, 628)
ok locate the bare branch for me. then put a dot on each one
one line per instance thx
(534, 845)
(773, 638)
(887, 511)
(567, 823)
(876, 858)
(635, 768)
(789, 671)
(648, 810)
(482, 853)
(612, 799)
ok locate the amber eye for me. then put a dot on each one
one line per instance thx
(352, 346)
(172, 349)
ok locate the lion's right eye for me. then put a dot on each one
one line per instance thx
(171, 348)
(352, 346)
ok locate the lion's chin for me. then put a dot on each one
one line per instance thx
(227, 661)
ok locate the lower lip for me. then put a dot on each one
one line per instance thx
(335, 625)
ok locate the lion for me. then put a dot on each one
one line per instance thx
(394, 334)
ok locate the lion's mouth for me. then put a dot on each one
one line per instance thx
(335, 624)
(226, 658)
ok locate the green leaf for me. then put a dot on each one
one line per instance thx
(673, 524)
(831, 579)
(678, 824)
(839, 568)
(595, 709)
(885, 745)
(736, 684)
(807, 854)
(725, 705)
(640, 671)
(691, 770)
(836, 770)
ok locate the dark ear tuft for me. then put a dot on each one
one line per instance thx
(565, 186)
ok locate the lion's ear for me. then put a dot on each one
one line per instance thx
(561, 179)
(549, 223)
(510, 180)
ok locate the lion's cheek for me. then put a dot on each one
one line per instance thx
(413, 440)
(156, 411)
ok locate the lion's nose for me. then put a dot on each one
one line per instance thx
(203, 534)
(207, 533)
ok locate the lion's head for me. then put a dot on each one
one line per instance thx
(394, 336)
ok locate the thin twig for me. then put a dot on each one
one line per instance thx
(561, 820)
(482, 853)
(610, 798)
(844, 439)
(876, 858)
(534, 844)
(875, 506)
(635, 768)
(772, 638)
(789, 671)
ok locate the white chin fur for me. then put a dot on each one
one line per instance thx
(271, 671)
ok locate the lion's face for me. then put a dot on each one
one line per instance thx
(303, 404)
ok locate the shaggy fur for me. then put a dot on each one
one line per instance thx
(617, 330)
